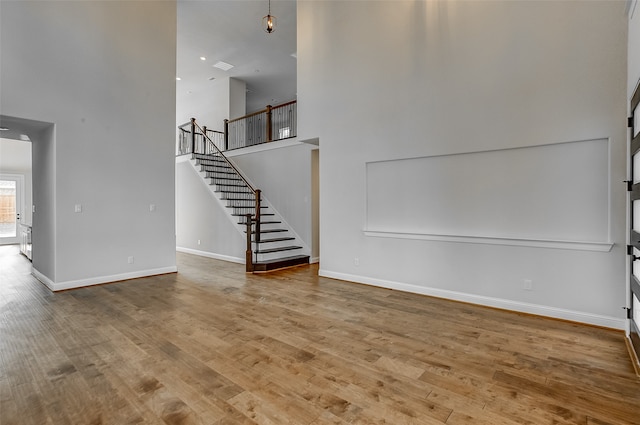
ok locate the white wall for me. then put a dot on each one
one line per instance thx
(315, 208)
(442, 78)
(104, 73)
(633, 73)
(224, 99)
(284, 175)
(237, 99)
(43, 236)
(200, 217)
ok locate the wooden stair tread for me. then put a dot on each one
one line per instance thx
(279, 249)
(227, 185)
(231, 173)
(244, 223)
(289, 238)
(236, 192)
(225, 178)
(207, 156)
(280, 263)
(269, 231)
(217, 169)
(262, 214)
(212, 163)
(232, 191)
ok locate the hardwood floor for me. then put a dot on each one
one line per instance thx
(212, 345)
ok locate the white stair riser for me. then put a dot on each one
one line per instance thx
(273, 245)
(276, 255)
(218, 192)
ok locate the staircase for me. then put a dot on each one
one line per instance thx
(271, 245)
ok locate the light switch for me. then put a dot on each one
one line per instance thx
(152, 207)
(78, 208)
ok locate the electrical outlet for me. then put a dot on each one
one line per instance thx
(356, 261)
(527, 285)
(198, 241)
(130, 259)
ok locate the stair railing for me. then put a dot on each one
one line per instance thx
(267, 125)
(191, 140)
(202, 143)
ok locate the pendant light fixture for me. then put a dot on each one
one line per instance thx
(269, 21)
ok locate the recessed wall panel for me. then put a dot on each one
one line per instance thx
(550, 192)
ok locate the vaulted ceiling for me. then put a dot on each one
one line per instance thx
(231, 31)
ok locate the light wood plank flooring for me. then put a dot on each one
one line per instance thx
(212, 345)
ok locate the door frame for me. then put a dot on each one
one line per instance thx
(633, 288)
(20, 200)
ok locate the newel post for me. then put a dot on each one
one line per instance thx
(248, 254)
(269, 124)
(257, 216)
(226, 134)
(193, 136)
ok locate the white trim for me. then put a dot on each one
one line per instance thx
(42, 278)
(284, 143)
(211, 255)
(314, 260)
(183, 158)
(299, 241)
(71, 284)
(265, 202)
(540, 310)
(497, 149)
(630, 8)
(516, 240)
(494, 240)
(211, 189)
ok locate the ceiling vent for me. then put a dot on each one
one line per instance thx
(223, 65)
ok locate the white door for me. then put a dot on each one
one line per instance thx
(634, 225)
(11, 208)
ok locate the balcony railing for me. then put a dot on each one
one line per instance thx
(197, 143)
(268, 125)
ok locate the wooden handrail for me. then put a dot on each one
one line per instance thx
(256, 193)
(253, 114)
(284, 104)
(207, 138)
(262, 111)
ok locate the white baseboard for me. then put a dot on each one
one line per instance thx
(536, 309)
(71, 284)
(211, 255)
(314, 260)
(43, 279)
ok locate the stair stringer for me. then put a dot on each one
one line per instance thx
(265, 202)
(220, 201)
(306, 250)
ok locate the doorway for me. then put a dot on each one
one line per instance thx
(11, 208)
(634, 226)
